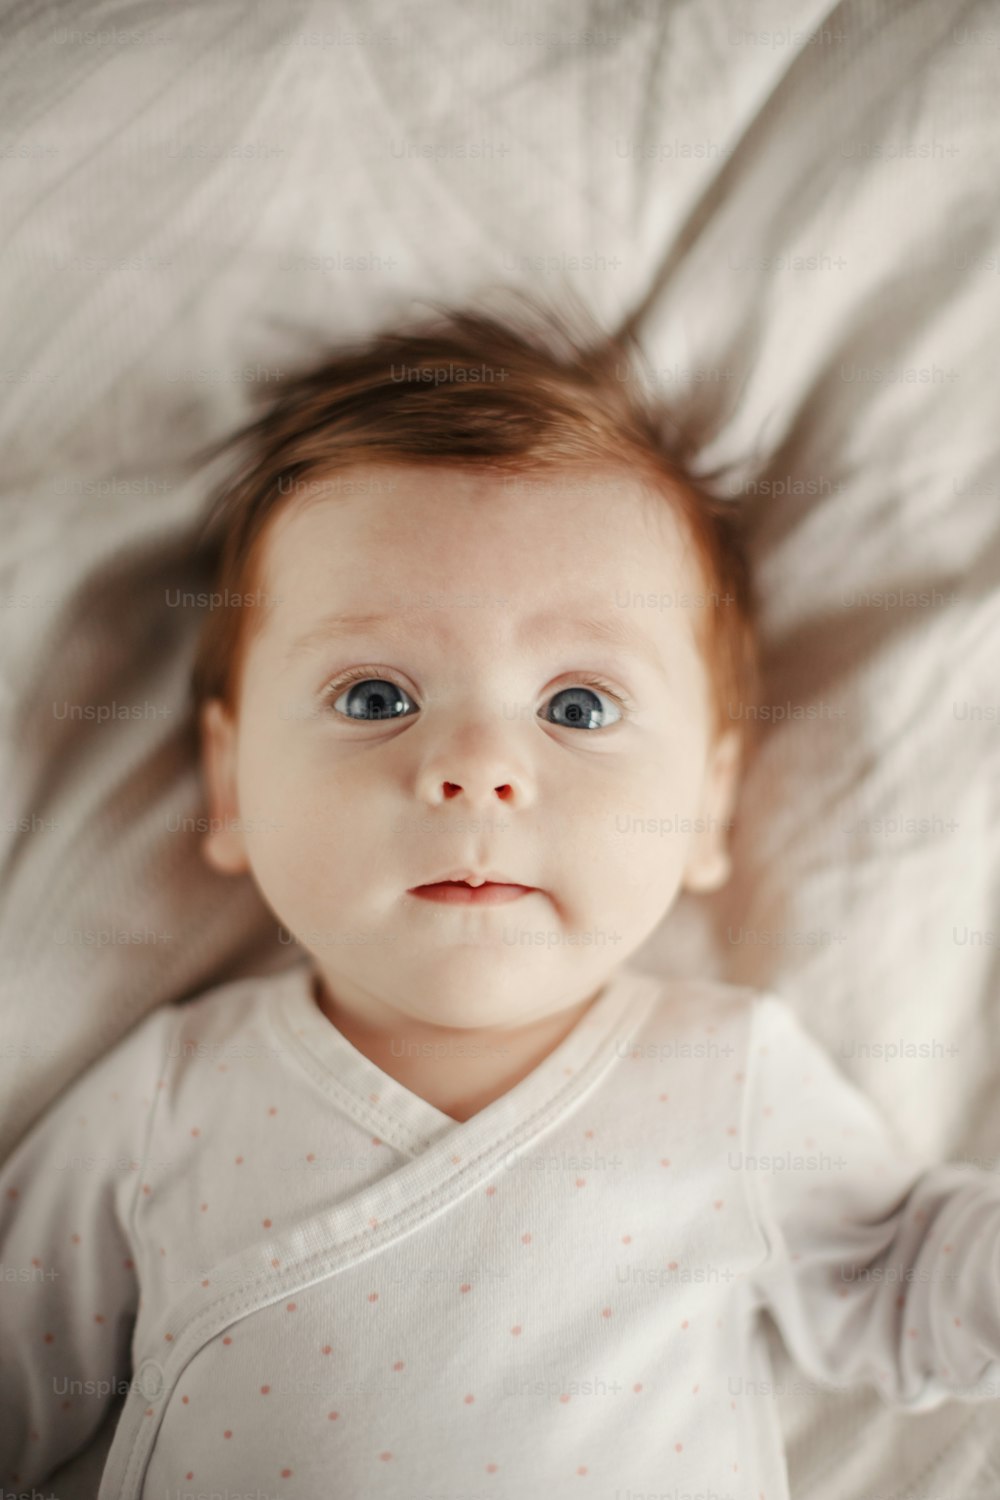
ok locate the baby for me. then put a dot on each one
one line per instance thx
(460, 1204)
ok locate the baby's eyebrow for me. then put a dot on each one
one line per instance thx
(337, 624)
(622, 633)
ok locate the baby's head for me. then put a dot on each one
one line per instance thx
(475, 619)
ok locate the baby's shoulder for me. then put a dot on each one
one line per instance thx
(708, 1017)
(234, 1008)
(705, 1003)
(192, 1026)
(763, 1027)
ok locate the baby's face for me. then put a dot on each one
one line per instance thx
(473, 736)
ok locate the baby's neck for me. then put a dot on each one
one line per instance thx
(459, 1072)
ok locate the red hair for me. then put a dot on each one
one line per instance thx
(467, 390)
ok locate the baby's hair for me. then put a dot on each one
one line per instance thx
(502, 396)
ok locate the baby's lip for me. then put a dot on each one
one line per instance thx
(475, 878)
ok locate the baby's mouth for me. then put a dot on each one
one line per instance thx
(461, 893)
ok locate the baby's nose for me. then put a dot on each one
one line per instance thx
(477, 766)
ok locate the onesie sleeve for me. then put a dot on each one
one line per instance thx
(880, 1268)
(68, 1261)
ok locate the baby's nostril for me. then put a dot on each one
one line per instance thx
(451, 789)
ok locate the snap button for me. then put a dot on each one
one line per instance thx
(149, 1379)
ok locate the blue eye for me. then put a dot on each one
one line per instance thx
(579, 712)
(368, 699)
(385, 701)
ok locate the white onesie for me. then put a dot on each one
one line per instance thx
(309, 1282)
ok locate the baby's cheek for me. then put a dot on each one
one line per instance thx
(309, 802)
(645, 834)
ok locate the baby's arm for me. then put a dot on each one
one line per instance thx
(68, 1260)
(882, 1269)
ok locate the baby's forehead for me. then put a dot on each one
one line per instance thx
(530, 559)
(588, 510)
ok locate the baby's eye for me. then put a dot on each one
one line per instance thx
(579, 711)
(385, 701)
(371, 700)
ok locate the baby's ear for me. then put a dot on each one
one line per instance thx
(709, 865)
(223, 846)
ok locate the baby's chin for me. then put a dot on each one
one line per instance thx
(478, 990)
(478, 1022)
